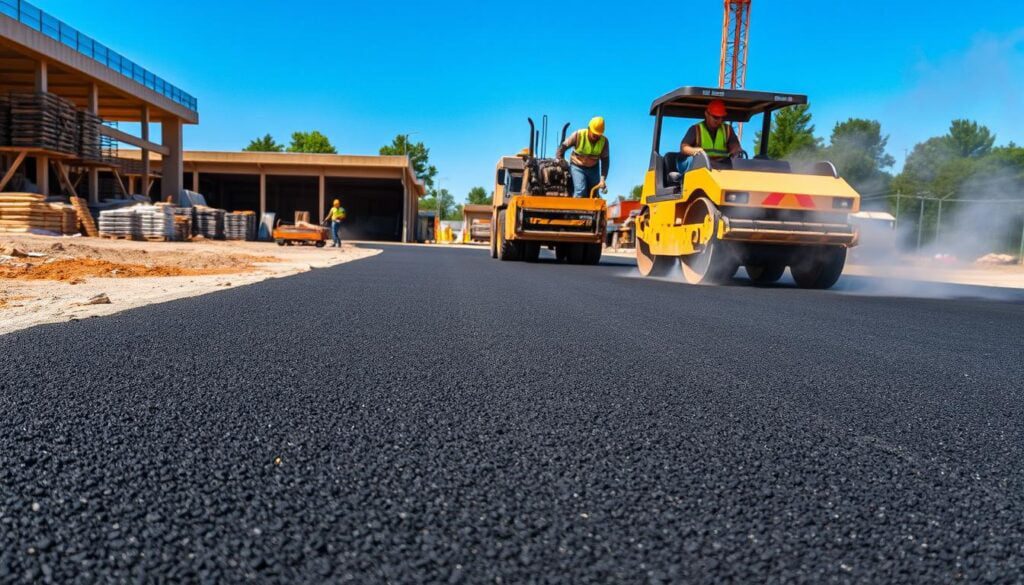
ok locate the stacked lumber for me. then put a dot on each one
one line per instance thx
(25, 212)
(84, 215)
(89, 137)
(240, 225)
(44, 120)
(208, 222)
(5, 120)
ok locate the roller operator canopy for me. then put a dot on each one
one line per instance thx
(690, 102)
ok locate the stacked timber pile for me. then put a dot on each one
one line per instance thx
(240, 225)
(89, 138)
(44, 120)
(27, 212)
(5, 120)
(208, 222)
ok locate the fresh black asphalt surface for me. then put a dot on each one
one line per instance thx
(436, 416)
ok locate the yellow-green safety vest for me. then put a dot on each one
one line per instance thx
(717, 148)
(337, 213)
(584, 147)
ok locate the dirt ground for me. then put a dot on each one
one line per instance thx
(47, 279)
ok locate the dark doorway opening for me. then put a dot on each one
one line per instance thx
(286, 195)
(374, 207)
(229, 191)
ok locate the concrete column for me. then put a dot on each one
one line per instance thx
(131, 185)
(42, 162)
(405, 210)
(144, 134)
(195, 181)
(42, 77)
(94, 173)
(323, 195)
(263, 194)
(173, 167)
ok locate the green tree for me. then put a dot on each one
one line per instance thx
(419, 156)
(478, 196)
(857, 148)
(312, 142)
(264, 144)
(969, 139)
(448, 207)
(792, 135)
(636, 192)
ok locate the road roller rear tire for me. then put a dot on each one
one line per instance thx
(591, 254)
(507, 251)
(531, 251)
(819, 268)
(765, 273)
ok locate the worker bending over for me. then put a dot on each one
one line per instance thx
(589, 162)
(335, 215)
(713, 137)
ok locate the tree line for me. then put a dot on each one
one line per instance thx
(965, 162)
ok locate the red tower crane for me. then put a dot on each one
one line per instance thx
(732, 71)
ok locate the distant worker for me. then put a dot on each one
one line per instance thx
(590, 147)
(335, 215)
(713, 137)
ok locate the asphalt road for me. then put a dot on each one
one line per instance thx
(436, 416)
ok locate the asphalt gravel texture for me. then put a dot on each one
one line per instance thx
(432, 415)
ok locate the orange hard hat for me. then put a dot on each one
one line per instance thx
(717, 109)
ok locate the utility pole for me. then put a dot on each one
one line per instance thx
(920, 225)
(896, 225)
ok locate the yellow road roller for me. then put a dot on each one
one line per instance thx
(712, 214)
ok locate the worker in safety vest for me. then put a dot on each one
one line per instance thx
(335, 215)
(590, 159)
(713, 137)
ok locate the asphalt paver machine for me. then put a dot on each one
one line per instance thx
(533, 208)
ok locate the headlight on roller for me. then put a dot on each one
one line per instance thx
(737, 197)
(842, 203)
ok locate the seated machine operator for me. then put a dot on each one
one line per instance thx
(712, 136)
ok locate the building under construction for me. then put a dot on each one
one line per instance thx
(66, 101)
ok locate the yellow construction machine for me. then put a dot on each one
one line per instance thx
(533, 207)
(758, 213)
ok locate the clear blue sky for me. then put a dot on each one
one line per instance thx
(463, 76)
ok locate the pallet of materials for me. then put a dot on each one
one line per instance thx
(240, 225)
(208, 222)
(28, 212)
(182, 223)
(141, 222)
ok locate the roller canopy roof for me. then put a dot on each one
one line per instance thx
(690, 102)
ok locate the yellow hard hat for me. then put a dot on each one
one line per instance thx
(597, 125)
(337, 202)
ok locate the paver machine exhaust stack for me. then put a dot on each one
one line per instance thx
(758, 213)
(533, 207)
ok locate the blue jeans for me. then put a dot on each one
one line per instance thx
(336, 232)
(584, 179)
